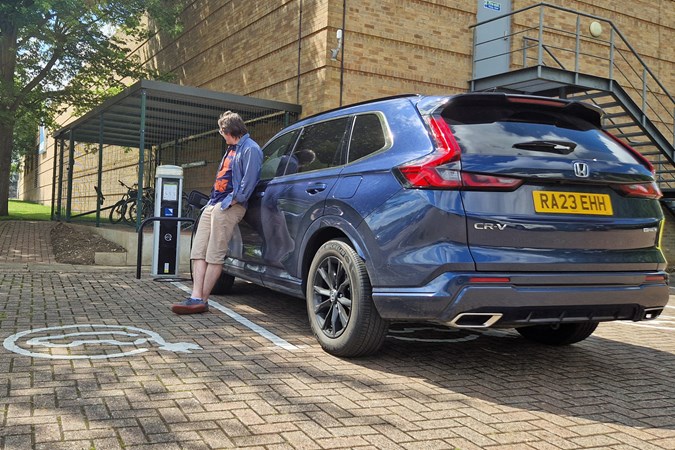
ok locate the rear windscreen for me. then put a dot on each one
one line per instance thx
(530, 130)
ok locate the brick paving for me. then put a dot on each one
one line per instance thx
(463, 390)
(25, 241)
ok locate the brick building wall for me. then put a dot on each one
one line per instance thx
(390, 47)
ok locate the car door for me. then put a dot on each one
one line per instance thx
(246, 256)
(296, 198)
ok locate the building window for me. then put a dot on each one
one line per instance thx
(42, 147)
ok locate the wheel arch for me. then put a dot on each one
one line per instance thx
(322, 231)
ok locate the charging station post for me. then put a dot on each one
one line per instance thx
(166, 234)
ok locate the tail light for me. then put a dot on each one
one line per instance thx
(441, 168)
(640, 190)
(432, 171)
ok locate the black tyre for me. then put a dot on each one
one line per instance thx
(130, 216)
(339, 303)
(118, 211)
(563, 334)
(223, 285)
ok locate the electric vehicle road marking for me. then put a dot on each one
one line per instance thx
(91, 338)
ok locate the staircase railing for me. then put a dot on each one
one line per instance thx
(550, 35)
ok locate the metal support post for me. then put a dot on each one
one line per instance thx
(58, 204)
(100, 170)
(56, 143)
(71, 163)
(141, 159)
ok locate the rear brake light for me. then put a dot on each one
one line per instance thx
(536, 101)
(640, 190)
(479, 181)
(440, 169)
(639, 156)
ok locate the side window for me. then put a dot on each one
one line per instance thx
(274, 161)
(319, 146)
(368, 136)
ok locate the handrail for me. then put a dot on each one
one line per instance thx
(546, 49)
(591, 16)
(589, 55)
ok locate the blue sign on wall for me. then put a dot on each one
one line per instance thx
(496, 6)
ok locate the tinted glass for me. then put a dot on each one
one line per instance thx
(526, 130)
(274, 162)
(319, 146)
(367, 136)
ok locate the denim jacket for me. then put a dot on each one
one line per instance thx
(245, 172)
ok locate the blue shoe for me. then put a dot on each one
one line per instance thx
(190, 306)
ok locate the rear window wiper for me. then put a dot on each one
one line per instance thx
(561, 147)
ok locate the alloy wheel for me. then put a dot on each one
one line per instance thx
(332, 297)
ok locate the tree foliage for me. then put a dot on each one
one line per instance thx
(60, 53)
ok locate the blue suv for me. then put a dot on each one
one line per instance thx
(473, 211)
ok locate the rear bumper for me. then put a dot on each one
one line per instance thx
(527, 298)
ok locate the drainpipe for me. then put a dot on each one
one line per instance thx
(297, 89)
(342, 59)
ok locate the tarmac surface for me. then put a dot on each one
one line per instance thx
(92, 358)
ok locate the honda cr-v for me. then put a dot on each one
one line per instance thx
(473, 211)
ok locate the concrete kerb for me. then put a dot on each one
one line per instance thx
(59, 267)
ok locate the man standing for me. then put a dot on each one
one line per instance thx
(236, 179)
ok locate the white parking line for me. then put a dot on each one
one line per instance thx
(276, 340)
(645, 325)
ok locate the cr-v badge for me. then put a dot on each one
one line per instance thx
(489, 226)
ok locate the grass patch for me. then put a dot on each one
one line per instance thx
(19, 210)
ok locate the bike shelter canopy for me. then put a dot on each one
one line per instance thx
(149, 123)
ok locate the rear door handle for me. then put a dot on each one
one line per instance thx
(315, 188)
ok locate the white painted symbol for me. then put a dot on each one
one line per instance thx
(102, 335)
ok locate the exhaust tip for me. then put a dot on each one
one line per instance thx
(475, 320)
(652, 313)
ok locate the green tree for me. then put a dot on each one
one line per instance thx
(60, 53)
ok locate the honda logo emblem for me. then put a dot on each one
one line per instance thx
(581, 169)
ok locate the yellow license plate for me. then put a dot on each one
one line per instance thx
(572, 203)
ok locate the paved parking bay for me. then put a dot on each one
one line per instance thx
(92, 358)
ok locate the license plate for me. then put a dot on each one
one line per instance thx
(572, 203)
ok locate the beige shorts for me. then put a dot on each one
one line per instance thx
(214, 232)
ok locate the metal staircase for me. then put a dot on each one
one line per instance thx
(552, 52)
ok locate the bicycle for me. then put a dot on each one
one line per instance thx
(119, 209)
(192, 205)
(148, 200)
